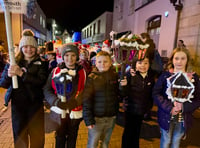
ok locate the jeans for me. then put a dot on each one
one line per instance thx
(101, 131)
(172, 138)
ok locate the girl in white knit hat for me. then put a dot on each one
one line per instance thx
(26, 100)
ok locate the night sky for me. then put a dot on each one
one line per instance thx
(73, 15)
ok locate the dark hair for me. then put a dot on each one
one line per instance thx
(49, 46)
(135, 60)
(1, 42)
(41, 50)
(92, 54)
(181, 41)
(145, 35)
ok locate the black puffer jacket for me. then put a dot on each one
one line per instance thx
(29, 85)
(139, 91)
(100, 97)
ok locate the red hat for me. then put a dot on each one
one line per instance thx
(76, 43)
(106, 43)
(84, 46)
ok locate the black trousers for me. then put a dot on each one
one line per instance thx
(28, 126)
(67, 132)
(132, 128)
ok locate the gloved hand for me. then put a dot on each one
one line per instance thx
(125, 103)
(61, 105)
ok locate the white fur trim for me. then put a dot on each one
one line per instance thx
(58, 110)
(69, 74)
(76, 114)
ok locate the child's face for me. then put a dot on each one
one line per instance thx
(50, 57)
(83, 56)
(103, 63)
(180, 61)
(70, 59)
(142, 66)
(29, 51)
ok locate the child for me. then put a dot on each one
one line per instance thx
(51, 56)
(27, 100)
(84, 61)
(66, 81)
(92, 58)
(4, 59)
(139, 101)
(175, 116)
(42, 53)
(100, 101)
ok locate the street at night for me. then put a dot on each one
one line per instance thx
(150, 137)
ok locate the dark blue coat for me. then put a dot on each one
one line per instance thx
(165, 105)
(100, 96)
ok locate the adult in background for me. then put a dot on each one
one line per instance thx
(145, 37)
(27, 100)
(181, 44)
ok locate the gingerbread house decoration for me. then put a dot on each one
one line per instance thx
(179, 88)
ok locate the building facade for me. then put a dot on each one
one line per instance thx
(19, 22)
(157, 17)
(98, 30)
(167, 21)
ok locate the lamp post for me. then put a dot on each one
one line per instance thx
(53, 29)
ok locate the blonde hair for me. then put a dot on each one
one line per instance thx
(103, 53)
(170, 62)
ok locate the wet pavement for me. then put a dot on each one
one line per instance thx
(150, 136)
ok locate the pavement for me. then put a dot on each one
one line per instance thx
(149, 138)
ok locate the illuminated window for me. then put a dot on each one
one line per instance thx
(44, 23)
(41, 20)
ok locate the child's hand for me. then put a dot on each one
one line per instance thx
(90, 126)
(123, 82)
(132, 72)
(125, 104)
(178, 105)
(14, 70)
(177, 108)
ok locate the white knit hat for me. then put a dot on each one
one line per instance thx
(27, 39)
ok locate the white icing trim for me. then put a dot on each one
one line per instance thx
(171, 84)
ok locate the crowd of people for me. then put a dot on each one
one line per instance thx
(85, 84)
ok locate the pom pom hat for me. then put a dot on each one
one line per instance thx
(70, 47)
(27, 39)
